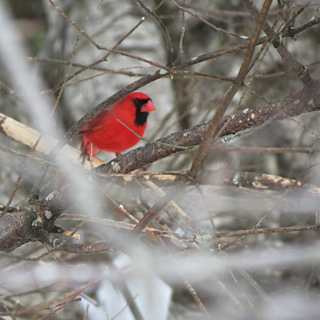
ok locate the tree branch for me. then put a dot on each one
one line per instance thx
(305, 100)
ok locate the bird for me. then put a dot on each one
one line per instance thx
(118, 128)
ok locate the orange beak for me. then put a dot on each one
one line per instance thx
(148, 107)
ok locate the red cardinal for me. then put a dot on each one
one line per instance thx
(114, 129)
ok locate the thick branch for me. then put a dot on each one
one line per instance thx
(28, 136)
(305, 100)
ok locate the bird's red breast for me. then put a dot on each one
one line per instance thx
(119, 127)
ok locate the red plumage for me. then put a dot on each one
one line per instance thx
(105, 132)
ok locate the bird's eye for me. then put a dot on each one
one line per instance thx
(140, 102)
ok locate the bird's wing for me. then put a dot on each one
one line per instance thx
(97, 123)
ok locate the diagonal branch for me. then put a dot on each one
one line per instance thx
(162, 26)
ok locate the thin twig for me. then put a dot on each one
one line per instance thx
(249, 232)
(211, 25)
(99, 47)
(162, 26)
